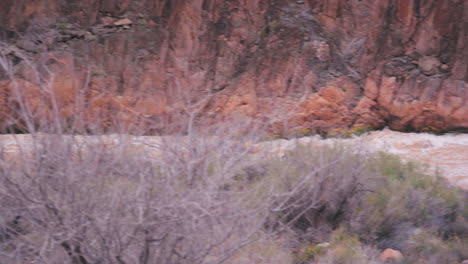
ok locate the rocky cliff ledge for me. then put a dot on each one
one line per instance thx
(335, 64)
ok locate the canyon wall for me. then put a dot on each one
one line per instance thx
(330, 64)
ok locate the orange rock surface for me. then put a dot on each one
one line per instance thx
(332, 63)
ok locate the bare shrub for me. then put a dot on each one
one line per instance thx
(320, 187)
(106, 199)
(189, 199)
(96, 204)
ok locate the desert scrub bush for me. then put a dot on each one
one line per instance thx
(426, 246)
(356, 130)
(101, 200)
(322, 186)
(91, 202)
(381, 200)
(310, 251)
(404, 199)
(346, 248)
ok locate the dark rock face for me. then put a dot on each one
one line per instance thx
(334, 63)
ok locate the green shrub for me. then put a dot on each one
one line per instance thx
(309, 252)
(346, 248)
(356, 130)
(62, 26)
(426, 246)
(403, 199)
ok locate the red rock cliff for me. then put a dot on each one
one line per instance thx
(334, 63)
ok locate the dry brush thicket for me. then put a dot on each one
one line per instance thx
(205, 195)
